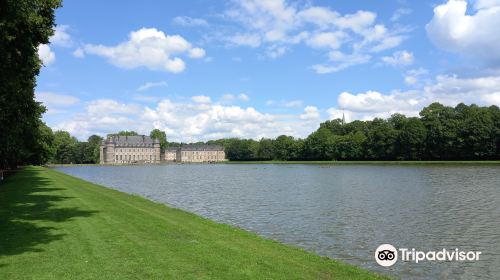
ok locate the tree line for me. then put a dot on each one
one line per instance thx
(24, 25)
(439, 133)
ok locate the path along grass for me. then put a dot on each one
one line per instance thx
(54, 226)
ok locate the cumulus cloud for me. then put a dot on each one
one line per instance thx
(311, 113)
(61, 36)
(186, 121)
(46, 55)
(189, 21)
(278, 24)
(148, 47)
(446, 89)
(399, 58)
(150, 85)
(473, 35)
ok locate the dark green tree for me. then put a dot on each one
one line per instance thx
(24, 25)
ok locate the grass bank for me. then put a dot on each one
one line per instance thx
(369, 162)
(54, 226)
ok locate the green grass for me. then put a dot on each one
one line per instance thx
(368, 162)
(54, 226)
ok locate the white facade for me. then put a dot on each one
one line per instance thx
(129, 149)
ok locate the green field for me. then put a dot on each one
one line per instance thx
(54, 226)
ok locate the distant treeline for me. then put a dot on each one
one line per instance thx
(440, 133)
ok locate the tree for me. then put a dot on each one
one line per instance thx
(284, 148)
(317, 145)
(94, 142)
(380, 140)
(442, 131)
(65, 147)
(476, 132)
(24, 25)
(160, 135)
(43, 150)
(242, 149)
(410, 144)
(266, 149)
(125, 133)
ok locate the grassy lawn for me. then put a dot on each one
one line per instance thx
(54, 226)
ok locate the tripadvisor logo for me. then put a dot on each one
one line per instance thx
(387, 255)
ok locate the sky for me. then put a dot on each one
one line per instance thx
(202, 69)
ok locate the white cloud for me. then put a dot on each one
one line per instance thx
(278, 24)
(196, 53)
(449, 90)
(311, 113)
(185, 121)
(399, 58)
(331, 40)
(149, 85)
(150, 48)
(201, 99)
(199, 119)
(474, 35)
(189, 21)
(46, 55)
(61, 37)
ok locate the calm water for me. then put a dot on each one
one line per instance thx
(341, 211)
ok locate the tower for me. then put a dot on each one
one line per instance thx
(156, 148)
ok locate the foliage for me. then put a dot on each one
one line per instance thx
(24, 25)
(161, 135)
(440, 133)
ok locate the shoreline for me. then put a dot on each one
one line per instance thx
(83, 230)
(333, 162)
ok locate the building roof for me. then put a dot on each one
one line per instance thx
(198, 147)
(138, 140)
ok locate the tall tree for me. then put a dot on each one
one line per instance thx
(161, 135)
(24, 25)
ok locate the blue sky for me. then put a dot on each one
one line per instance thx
(250, 68)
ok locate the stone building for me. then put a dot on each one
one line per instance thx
(129, 149)
(196, 153)
(171, 153)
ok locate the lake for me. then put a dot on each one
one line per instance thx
(341, 211)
